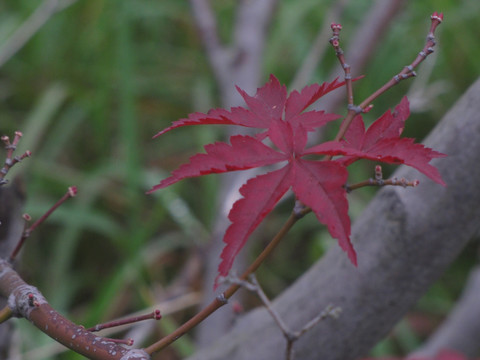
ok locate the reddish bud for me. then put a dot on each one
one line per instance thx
(72, 191)
(367, 109)
(237, 307)
(27, 217)
(335, 26)
(32, 301)
(378, 172)
(437, 16)
(157, 315)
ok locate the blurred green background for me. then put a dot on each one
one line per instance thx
(100, 77)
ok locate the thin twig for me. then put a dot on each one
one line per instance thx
(380, 181)
(392, 182)
(406, 73)
(11, 160)
(362, 46)
(71, 192)
(155, 315)
(319, 47)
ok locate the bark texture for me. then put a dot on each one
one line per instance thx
(461, 330)
(405, 239)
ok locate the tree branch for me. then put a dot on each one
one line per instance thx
(461, 330)
(26, 301)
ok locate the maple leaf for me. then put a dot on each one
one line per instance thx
(382, 142)
(267, 104)
(317, 184)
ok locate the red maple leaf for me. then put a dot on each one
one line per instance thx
(382, 142)
(267, 104)
(318, 184)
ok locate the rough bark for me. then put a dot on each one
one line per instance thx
(405, 239)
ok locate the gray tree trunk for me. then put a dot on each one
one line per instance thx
(405, 239)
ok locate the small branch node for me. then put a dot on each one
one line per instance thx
(333, 311)
(222, 299)
(335, 43)
(298, 209)
(25, 299)
(357, 109)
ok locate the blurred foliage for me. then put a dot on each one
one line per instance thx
(102, 76)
